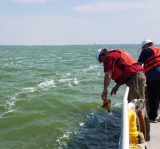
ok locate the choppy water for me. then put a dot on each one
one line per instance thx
(50, 98)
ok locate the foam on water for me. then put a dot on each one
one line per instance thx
(119, 105)
(81, 124)
(28, 89)
(76, 81)
(91, 68)
(64, 80)
(47, 84)
(6, 112)
(70, 81)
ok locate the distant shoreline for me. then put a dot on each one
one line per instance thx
(72, 45)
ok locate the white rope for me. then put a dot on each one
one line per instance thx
(106, 126)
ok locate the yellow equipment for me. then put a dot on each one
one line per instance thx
(106, 103)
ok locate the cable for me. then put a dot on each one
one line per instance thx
(106, 127)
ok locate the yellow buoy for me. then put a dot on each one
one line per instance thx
(133, 133)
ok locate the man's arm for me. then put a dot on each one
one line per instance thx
(107, 80)
(115, 89)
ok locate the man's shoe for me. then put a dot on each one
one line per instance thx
(153, 121)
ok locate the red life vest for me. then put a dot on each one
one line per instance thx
(153, 61)
(128, 60)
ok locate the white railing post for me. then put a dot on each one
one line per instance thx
(124, 140)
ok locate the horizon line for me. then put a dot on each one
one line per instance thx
(72, 44)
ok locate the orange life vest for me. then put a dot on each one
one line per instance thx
(153, 61)
(128, 60)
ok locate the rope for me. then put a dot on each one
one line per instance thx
(106, 127)
(106, 106)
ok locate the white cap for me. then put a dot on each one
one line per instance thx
(97, 54)
(147, 41)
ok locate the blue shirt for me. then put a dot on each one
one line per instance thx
(154, 73)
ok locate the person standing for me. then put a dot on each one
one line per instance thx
(150, 58)
(123, 69)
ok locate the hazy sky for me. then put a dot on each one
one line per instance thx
(68, 22)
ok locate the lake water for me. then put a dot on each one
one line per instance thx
(50, 98)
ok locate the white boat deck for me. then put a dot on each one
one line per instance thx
(154, 142)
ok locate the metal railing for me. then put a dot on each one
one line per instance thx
(124, 139)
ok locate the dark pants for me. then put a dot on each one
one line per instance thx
(153, 89)
(136, 86)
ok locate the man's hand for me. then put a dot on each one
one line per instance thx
(104, 93)
(115, 88)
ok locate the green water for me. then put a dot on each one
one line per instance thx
(50, 98)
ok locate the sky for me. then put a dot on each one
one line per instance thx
(78, 22)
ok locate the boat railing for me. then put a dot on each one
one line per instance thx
(124, 139)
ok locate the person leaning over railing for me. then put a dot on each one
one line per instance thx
(123, 69)
(150, 58)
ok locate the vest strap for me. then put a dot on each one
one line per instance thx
(123, 66)
(118, 59)
(151, 60)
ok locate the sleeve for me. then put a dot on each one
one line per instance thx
(145, 54)
(109, 64)
(142, 57)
